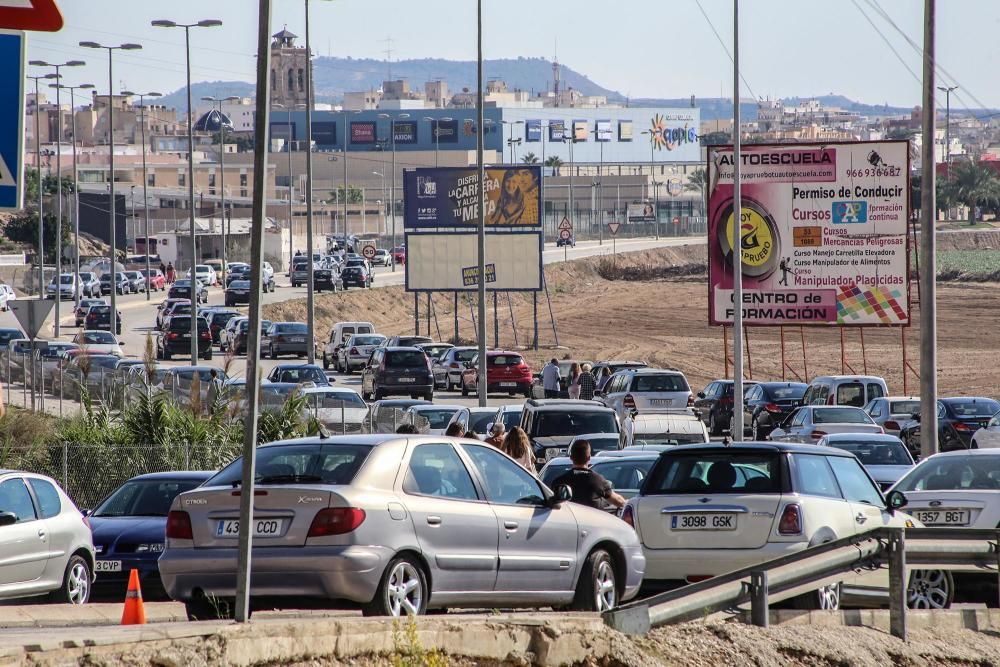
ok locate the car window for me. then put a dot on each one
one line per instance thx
(150, 497)
(575, 422)
(814, 477)
(855, 484)
(851, 393)
(875, 390)
(798, 418)
(506, 482)
(505, 360)
(715, 472)
(977, 408)
(333, 464)
(953, 472)
(14, 498)
(49, 503)
(405, 359)
(843, 415)
(624, 474)
(659, 383)
(904, 407)
(877, 452)
(437, 470)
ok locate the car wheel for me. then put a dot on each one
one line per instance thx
(402, 592)
(76, 582)
(930, 589)
(209, 609)
(597, 589)
(826, 598)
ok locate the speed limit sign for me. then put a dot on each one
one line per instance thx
(368, 251)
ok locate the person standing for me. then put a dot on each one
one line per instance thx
(573, 384)
(496, 436)
(588, 383)
(589, 488)
(517, 446)
(550, 379)
(214, 388)
(603, 380)
(171, 273)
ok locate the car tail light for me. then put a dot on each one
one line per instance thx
(816, 435)
(628, 516)
(773, 408)
(206, 334)
(172, 335)
(891, 425)
(336, 521)
(690, 400)
(354, 351)
(791, 521)
(179, 525)
(628, 401)
(962, 426)
(454, 364)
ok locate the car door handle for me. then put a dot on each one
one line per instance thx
(434, 520)
(510, 525)
(41, 533)
(860, 518)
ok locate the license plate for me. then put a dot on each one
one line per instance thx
(262, 528)
(407, 380)
(186, 336)
(108, 566)
(942, 517)
(298, 339)
(661, 401)
(508, 384)
(703, 521)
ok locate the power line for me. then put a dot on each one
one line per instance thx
(724, 48)
(887, 42)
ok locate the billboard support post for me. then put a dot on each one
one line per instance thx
(928, 213)
(737, 238)
(481, 186)
(496, 322)
(416, 314)
(534, 317)
(455, 313)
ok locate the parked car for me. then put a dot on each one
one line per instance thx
(84, 371)
(382, 258)
(809, 423)
(464, 497)
(51, 358)
(626, 473)
(407, 341)
(136, 281)
(155, 279)
(118, 282)
(99, 318)
(205, 274)
(234, 336)
(179, 307)
(397, 370)
(852, 390)
(237, 271)
(987, 437)
(181, 289)
(448, 367)
(163, 310)
(217, 320)
(80, 312)
(399, 255)
(667, 427)
(46, 543)
(475, 419)
(615, 366)
(884, 456)
(715, 404)
(7, 295)
(767, 404)
(646, 389)
(129, 530)
(285, 338)
(386, 415)
(90, 284)
(176, 338)
(759, 501)
(509, 415)
(958, 419)
(505, 372)
(339, 334)
(434, 350)
(893, 412)
(339, 409)
(357, 275)
(66, 284)
(98, 342)
(551, 424)
(430, 419)
(298, 374)
(355, 352)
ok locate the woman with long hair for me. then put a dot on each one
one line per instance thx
(573, 384)
(517, 447)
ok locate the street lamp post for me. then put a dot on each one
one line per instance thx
(436, 126)
(572, 169)
(380, 203)
(111, 163)
(947, 90)
(145, 179)
(288, 148)
(222, 173)
(206, 23)
(652, 180)
(38, 168)
(392, 180)
(511, 141)
(76, 182)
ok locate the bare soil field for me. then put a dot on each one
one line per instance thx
(658, 313)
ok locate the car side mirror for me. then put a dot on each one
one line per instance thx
(896, 500)
(7, 519)
(701, 394)
(561, 495)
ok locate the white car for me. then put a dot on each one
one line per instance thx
(6, 296)
(382, 258)
(99, 342)
(674, 427)
(206, 274)
(705, 510)
(430, 419)
(988, 437)
(646, 389)
(893, 413)
(339, 409)
(809, 423)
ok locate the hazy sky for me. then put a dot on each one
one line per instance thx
(642, 48)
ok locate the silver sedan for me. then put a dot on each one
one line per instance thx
(396, 525)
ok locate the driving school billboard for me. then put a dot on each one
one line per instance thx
(449, 197)
(822, 234)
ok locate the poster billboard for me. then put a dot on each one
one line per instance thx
(557, 130)
(823, 234)
(603, 130)
(363, 132)
(448, 261)
(579, 130)
(404, 131)
(449, 197)
(532, 130)
(641, 212)
(625, 130)
(447, 131)
(324, 133)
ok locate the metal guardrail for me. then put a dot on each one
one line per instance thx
(815, 567)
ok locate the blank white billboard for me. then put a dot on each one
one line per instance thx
(449, 262)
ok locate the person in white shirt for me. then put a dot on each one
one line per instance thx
(550, 379)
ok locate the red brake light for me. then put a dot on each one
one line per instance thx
(628, 401)
(336, 521)
(816, 435)
(772, 407)
(791, 521)
(690, 400)
(961, 426)
(179, 525)
(172, 335)
(892, 425)
(354, 350)
(628, 517)
(454, 364)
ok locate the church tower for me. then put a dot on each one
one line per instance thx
(288, 70)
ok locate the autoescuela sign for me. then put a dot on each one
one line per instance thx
(823, 234)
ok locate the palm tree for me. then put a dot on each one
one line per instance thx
(530, 158)
(555, 162)
(973, 184)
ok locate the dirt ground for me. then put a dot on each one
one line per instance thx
(663, 321)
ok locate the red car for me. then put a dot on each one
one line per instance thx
(399, 255)
(155, 280)
(505, 372)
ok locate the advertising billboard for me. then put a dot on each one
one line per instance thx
(404, 131)
(625, 130)
(363, 132)
(449, 197)
(823, 234)
(557, 130)
(641, 212)
(448, 261)
(447, 131)
(532, 130)
(325, 133)
(603, 128)
(579, 130)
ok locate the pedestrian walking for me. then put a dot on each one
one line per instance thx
(588, 383)
(603, 380)
(496, 436)
(171, 273)
(550, 379)
(589, 488)
(163, 269)
(573, 383)
(517, 447)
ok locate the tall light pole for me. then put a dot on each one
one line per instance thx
(38, 167)
(76, 181)
(928, 254)
(436, 127)
(571, 139)
(511, 141)
(947, 90)
(145, 180)
(222, 173)
(111, 162)
(206, 23)
(345, 113)
(737, 430)
(481, 186)
(382, 174)
(288, 149)
(392, 179)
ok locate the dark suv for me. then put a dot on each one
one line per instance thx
(99, 317)
(551, 424)
(176, 339)
(397, 370)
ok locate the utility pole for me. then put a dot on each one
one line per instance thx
(928, 254)
(481, 246)
(737, 431)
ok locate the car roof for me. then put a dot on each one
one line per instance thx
(564, 404)
(965, 399)
(396, 402)
(404, 349)
(853, 437)
(782, 383)
(195, 475)
(288, 366)
(420, 407)
(327, 389)
(594, 436)
(778, 447)
(964, 452)
(616, 454)
(651, 371)
(897, 398)
(178, 369)
(847, 377)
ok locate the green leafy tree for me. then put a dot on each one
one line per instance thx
(555, 162)
(355, 195)
(972, 184)
(530, 158)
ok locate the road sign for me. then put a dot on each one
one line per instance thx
(368, 251)
(11, 118)
(41, 15)
(31, 313)
(613, 227)
(565, 234)
(566, 224)
(676, 220)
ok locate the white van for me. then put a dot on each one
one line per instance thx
(669, 427)
(853, 390)
(338, 336)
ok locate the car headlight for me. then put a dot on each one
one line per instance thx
(152, 547)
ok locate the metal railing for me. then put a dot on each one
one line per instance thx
(772, 581)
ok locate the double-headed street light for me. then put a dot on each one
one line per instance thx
(111, 161)
(145, 179)
(511, 141)
(436, 126)
(206, 23)
(345, 113)
(222, 172)
(38, 167)
(392, 179)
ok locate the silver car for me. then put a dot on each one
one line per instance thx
(353, 355)
(809, 423)
(396, 525)
(44, 539)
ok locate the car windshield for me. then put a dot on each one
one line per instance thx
(66, 280)
(334, 399)
(510, 419)
(436, 417)
(552, 472)
(367, 340)
(505, 360)
(941, 473)
(144, 498)
(599, 444)
(877, 453)
(840, 416)
(303, 374)
(977, 408)
(715, 472)
(290, 327)
(478, 421)
(98, 338)
(904, 407)
(101, 361)
(320, 463)
(405, 359)
(183, 282)
(575, 422)
(204, 374)
(659, 383)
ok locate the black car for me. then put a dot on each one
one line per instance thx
(176, 338)
(182, 290)
(237, 272)
(327, 278)
(766, 404)
(217, 319)
(570, 241)
(99, 318)
(958, 419)
(238, 291)
(715, 403)
(121, 284)
(397, 370)
(356, 275)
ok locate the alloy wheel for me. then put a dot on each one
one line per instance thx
(403, 591)
(929, 589)
(78, 584)
(605, 593)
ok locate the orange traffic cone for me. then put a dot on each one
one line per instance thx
(134, 612)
